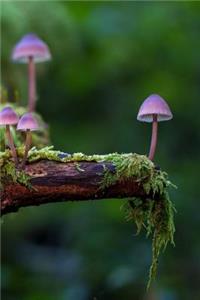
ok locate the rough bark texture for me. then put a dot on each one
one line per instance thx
(55, 182)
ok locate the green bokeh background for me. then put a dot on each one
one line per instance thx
(107, 58)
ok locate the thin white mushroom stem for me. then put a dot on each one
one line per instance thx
(153, 137)
(11, 144)
(32, 84)
(27, 147)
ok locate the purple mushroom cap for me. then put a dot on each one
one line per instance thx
(31, 46)
(27, 122)
(8, 116)
(154, 105)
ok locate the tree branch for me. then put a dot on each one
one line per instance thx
(53, 181)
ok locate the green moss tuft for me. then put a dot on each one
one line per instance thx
(156, 216)
(154, 213)
(9, 173)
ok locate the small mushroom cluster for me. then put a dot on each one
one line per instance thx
(26, 123)
(30, 49)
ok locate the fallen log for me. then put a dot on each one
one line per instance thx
(52, 181)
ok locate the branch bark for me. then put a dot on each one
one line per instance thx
(55, 182)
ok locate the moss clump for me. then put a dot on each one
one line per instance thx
(156, 216)
(154, 212)
(9, 173)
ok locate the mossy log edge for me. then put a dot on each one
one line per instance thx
(52, 181)
(54, 176)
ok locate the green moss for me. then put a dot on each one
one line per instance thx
(9, 173)
(156, 216)
(154, 212)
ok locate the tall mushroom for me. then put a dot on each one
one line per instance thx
(153, 110)
(8, 117)
(27, 123)
(30, 49)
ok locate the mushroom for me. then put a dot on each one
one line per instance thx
(154, 109)
(9, 117)
(27, 123)
(30, 49)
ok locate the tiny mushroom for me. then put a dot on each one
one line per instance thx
(27, 123)
(153, 110)
(31, 49)
(9, 117)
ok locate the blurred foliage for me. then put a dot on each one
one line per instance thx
(107, 58)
